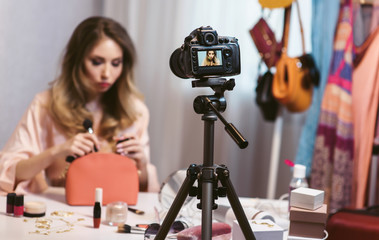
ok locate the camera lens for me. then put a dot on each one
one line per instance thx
(176, 64)
(210, 39)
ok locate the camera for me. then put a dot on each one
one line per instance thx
(204, 54)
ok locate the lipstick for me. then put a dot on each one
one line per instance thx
(97, 207)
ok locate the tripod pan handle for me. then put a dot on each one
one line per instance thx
(236, 135)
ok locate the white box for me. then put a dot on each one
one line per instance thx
(263, 229)
(307, 198)
(303, 238)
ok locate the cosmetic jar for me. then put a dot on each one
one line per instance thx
(34, 209)
(116, 213)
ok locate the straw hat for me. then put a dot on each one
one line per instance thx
(275, 3)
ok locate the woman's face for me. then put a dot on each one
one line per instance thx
(211, 55)
(103, 65)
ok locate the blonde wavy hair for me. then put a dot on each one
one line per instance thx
(69, 93)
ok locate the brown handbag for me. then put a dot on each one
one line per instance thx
(295, 77)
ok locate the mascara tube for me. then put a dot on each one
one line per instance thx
(96, 215)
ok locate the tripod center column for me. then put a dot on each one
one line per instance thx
(209, 119)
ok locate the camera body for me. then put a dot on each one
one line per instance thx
(205, 54)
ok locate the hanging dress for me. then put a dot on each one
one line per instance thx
(324, 21)
(365, 107)
(332, 165)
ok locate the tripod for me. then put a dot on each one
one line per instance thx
(209, 174)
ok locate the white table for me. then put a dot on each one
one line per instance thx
(54, 198)
(23, 228)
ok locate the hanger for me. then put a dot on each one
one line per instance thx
(365, 2)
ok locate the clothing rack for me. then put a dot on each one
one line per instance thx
(363, 2)
(275, 155)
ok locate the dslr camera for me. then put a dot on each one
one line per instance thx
(204, 54)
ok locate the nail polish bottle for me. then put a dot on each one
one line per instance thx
(18, 209)
(10, 203)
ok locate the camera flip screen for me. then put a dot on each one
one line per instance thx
(209, 58)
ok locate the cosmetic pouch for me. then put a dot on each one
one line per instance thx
(117, 175)
(349, 224)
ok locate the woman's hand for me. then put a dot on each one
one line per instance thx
(130, 146)
(80, 145)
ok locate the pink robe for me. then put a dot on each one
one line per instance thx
(365, 94)
(37, 132)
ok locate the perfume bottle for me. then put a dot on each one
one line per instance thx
(298, 179)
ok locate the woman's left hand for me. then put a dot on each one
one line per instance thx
(130, 146)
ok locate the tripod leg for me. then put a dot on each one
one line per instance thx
(207, 203)
(177, 204)
(223, 174)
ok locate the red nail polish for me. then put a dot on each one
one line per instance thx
(18, 209)
(10, 203)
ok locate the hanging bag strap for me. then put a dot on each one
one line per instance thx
(286, 31)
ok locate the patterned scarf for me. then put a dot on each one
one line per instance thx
(332, 166)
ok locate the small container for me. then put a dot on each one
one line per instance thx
(18, 209)
(116, 213)
(34, 209)
(298, 179)
(10, 203)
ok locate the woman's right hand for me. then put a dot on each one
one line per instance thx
(80, 145)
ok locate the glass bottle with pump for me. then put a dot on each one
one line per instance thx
(298, 179)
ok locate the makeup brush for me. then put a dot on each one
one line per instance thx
(136, 211)
(87, 124)
(125, 228)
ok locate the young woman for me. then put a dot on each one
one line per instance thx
(96, 83)
(211, 59)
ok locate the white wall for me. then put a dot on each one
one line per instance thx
(158, 27)
(33, 35)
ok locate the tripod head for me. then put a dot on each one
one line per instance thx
(219, 85)
(214, 104)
